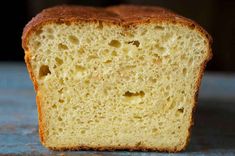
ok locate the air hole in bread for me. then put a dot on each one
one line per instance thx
(181, 110)
(131, 94)
(54, 106)
(59, 61)
(81, 51)
(166, 94)
(75, 107)
(100, 25)
(160, 48)
(192, 26)
(114, 53)
(160, 123)
(80, 68)
(61, 81)
(129, 67)
(183, 57)
(60, 90)
(62, 46)
(73, 39)
(190, 62)
(61, 101)
(115, 43)
(141, 58)
(83, 131)
(155, 131)
(153, 80)
(59, 118)
(50, 30)
(136, 116)
(44, 71)
(38, 32)
(105, 52)
(184, 71)
(87, 82)
(65, 109)
(143, 32)
(135, 43)
(157, 60)
(133, 97)
(79, 72)
(107, 61)
(181, 43)
(138, 144)
(37, 44)
(51, 37)
(91, 57)
(88, 40)
(159, 28)
(168, 99)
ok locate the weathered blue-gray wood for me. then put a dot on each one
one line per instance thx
(213, 133)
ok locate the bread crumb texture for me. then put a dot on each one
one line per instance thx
(104, 85)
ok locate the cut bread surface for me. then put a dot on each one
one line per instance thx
(103, 85)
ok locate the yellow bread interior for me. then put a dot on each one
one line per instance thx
(105, 85)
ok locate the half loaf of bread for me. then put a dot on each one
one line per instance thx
(116, 78)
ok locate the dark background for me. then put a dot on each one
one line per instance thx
(216, 16)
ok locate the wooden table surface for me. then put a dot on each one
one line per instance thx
(213, 132)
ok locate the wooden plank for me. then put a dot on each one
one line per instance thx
(213, 133)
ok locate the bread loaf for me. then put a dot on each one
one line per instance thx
(118, 78)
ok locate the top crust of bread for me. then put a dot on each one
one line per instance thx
(125, 15)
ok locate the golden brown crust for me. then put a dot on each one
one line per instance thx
(123, 15)
(40, 120)
(198, 83)
(115, 148)
(30, 70)
(33, 78)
